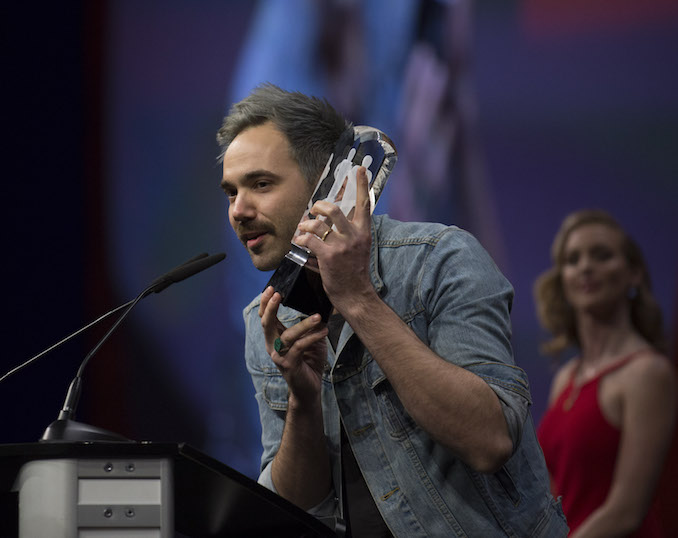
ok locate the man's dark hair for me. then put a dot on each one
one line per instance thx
(312, 126)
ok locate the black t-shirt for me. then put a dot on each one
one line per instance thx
(359, 510)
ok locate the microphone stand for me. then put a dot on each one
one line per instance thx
(64, 428)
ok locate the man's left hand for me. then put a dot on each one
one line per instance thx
(343, 250)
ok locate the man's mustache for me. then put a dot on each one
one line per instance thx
(250, 230)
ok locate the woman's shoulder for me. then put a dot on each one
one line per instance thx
(649, 367)
(646, 388)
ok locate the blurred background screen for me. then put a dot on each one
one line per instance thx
(507, 115)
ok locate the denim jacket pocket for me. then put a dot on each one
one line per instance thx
(275, 392)
(505, 480)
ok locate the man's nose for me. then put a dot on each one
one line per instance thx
(243, 208)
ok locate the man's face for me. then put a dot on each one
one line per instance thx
(267, 193)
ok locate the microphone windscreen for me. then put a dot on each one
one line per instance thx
(190, 269)
(164, 278)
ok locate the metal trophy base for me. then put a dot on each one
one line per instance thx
(299, 287)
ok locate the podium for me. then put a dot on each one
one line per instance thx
(120, 489)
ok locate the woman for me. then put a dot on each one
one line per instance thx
(612, 408)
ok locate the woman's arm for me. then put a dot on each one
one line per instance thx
(648, 416)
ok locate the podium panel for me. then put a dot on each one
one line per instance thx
(141, 490)
(62, 498)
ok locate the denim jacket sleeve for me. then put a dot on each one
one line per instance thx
(269, 387)
(468, 302)
(271, 396)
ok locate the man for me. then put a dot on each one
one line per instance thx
(406, 414)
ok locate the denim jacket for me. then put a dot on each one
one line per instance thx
(444, 285)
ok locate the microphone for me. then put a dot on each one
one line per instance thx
(163, 281)
(189, 268)
(67, 429)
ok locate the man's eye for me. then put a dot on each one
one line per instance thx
(262, 184)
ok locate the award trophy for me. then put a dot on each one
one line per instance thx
(357, 146)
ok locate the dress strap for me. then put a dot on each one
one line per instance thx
(572, 389)
(621, 362)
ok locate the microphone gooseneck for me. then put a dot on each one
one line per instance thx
(65, 428)
(158, 285)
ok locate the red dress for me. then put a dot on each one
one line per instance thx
(580, 448)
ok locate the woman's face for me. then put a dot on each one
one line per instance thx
(595, 272)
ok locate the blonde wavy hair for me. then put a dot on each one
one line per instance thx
(557, 316)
